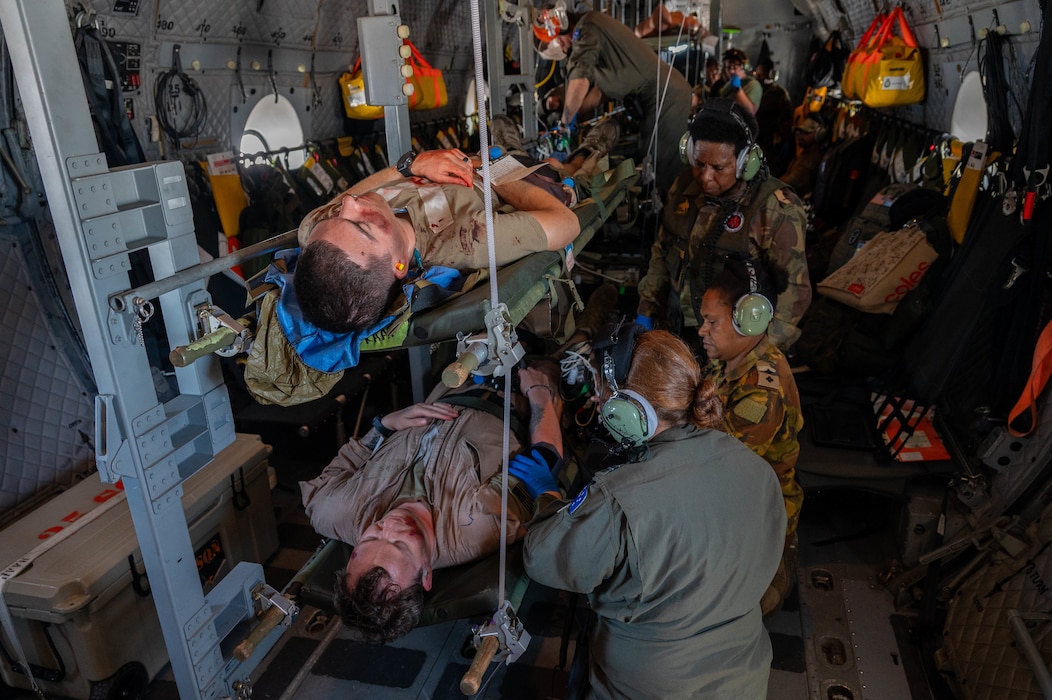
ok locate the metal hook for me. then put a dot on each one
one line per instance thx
(237, 74)
(315, 90)
(270, 73)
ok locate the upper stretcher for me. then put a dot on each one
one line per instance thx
(275, 373)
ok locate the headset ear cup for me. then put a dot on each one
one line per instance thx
(752, 314)
(750, 161)
(629, 418)
(686, 149)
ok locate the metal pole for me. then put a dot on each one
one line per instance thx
(122, 301)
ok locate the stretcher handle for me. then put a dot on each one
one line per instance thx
(247, 646)
(184, 355)
(472, 680)
(458, 371)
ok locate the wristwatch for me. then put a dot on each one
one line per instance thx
(405, 164)
(379, 426)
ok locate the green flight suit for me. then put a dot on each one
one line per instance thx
(763, 411)
(764, 219)
(674, 554)
(752, 87)
(609, 55)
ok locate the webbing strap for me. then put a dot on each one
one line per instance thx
(22, 563)
(489, 402)
(1039, 375)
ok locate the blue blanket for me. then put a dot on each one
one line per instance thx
(326, 351)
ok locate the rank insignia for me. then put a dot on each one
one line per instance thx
(734, 222)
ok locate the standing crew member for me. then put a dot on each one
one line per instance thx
(674, 551)
(761, 404)
(607, 58)
(726, 203)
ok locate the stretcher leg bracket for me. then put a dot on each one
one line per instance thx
(503, 639)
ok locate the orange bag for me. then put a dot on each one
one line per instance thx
(894, 72)
(429, 86)
(849, 83)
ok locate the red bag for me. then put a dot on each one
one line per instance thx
(429, 86)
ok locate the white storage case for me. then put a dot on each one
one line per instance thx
(82, 610)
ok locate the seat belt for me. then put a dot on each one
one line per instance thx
(967, 189)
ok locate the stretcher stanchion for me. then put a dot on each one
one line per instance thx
(504, 638)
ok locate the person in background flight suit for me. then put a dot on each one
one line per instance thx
(775, 119)
(810, 147)
(675, 550)
(725, 203)
(740, 87)
(710, 89)
(753, 378)
(422, 491)
(606, 59)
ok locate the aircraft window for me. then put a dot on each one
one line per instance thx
(272, 125)
(968, 122)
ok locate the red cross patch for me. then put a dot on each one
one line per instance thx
(734, 222)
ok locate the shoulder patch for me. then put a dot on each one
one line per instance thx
(767, 375)
(578, 500)
(769, 381)
(750, 411)
(783, 196)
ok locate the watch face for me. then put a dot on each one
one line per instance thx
(405, 163)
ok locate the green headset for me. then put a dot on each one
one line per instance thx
(753, 311)
(750, 160)
(627, 416)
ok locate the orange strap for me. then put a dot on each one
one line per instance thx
(1039, 375)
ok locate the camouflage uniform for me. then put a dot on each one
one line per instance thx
(763, 411)
(764, 219)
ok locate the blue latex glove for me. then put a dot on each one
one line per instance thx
(533, 471)
(645, 321)
(736, 81)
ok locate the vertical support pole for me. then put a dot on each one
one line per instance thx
(101, 216)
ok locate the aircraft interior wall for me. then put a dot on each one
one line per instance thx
(247, 55)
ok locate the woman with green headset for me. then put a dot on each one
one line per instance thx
(724, 203)
(753, 378)
(674, 550)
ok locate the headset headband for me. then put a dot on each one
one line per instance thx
(754, 286)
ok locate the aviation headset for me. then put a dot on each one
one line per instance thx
(628, 417)
(750, 159)
(550, 21)
(753, 311)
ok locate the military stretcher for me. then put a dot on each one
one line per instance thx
(275, 374)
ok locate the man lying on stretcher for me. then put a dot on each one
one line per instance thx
(422, 490)
(426, 211)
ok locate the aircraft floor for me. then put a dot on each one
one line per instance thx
(844, 534)
(837, 636)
